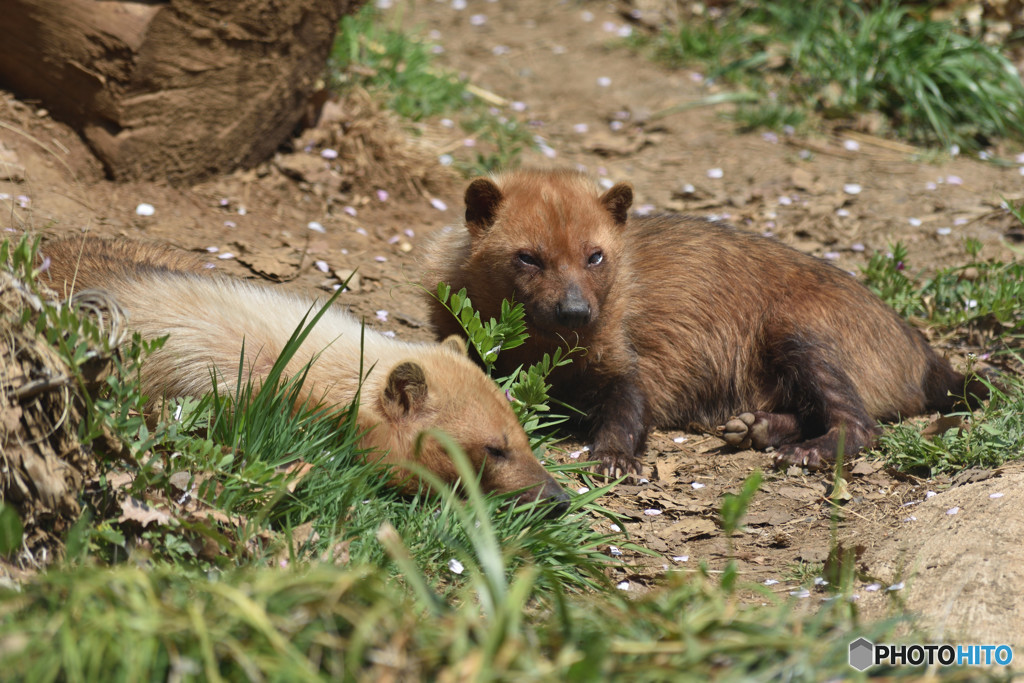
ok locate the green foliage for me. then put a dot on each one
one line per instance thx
(987, 438)
(981, 296)
(398, 66)
(934, 85)
(394, 64)
(527, 388)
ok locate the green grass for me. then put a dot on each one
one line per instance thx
(978, 302)
(377, 593)
(982, 298)
(934, 85)
(399, 67)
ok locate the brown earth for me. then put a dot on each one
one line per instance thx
(961, 571)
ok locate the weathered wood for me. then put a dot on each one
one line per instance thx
(180, 89)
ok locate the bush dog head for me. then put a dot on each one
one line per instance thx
(457, 398)
(563, 271)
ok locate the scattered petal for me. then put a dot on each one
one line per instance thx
(455, 566)
(954, 150)
(852, 188)
(315, 226)
(350, 210)
(500, 50)
(518, 106)
(652, 512)
(382, 195)
(697, 485)
(458, 5)
(851, 145)
(583, 489)
(896, 587)
(802, 593)
(380, 259)
(615, 527)
(715, 173)
(478, 19)
(393, 239)
(929, 494)
(679, 439)
(587, 16)
(242, 211)
(409, 233)
(615, 552)
(212, 250)
(954, 180)
(447, 123)
(616, 125)
(362, 231)
(681, 558)
(390, 334)
(230, 224)
(226, 255)
(329, 153)
(382, 316)
(141, 209)
(644, 480)
(604, 81)
(770, 582)
(785, 201)
(581, 128)
(943, 231)
(953, 510)
(322, 266)
(830, 255)
(819, 581)
(770, 137)
(930, 186)
(857, 246)
(872, 587)
(842, 212)
(997, 494)
(575, 454)
(623, 585)
(446, 159)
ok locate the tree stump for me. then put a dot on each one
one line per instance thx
(177, 90)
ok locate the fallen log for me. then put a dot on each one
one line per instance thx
(181, 89)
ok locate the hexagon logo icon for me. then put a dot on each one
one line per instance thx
(862, 654)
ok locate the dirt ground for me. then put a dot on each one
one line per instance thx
(309, 220)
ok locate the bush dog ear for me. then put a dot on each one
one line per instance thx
(482, 200)
(618, 200)
(405, 391)
(456, 343)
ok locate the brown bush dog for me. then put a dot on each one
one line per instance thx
(408, 387)
(687, 323)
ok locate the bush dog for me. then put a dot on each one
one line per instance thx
(408, 387)
(687, 323)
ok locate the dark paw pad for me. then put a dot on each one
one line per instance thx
(746, 430)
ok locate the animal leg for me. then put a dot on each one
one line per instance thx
(621, 430)
(826, 403)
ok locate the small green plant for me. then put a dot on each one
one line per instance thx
(527, 388)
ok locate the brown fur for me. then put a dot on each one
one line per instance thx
(687, 322)
(408, 387)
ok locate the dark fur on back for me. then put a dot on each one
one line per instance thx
(691, 323)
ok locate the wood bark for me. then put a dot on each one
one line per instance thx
(180, 89)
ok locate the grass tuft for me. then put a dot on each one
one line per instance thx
(934, 85)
